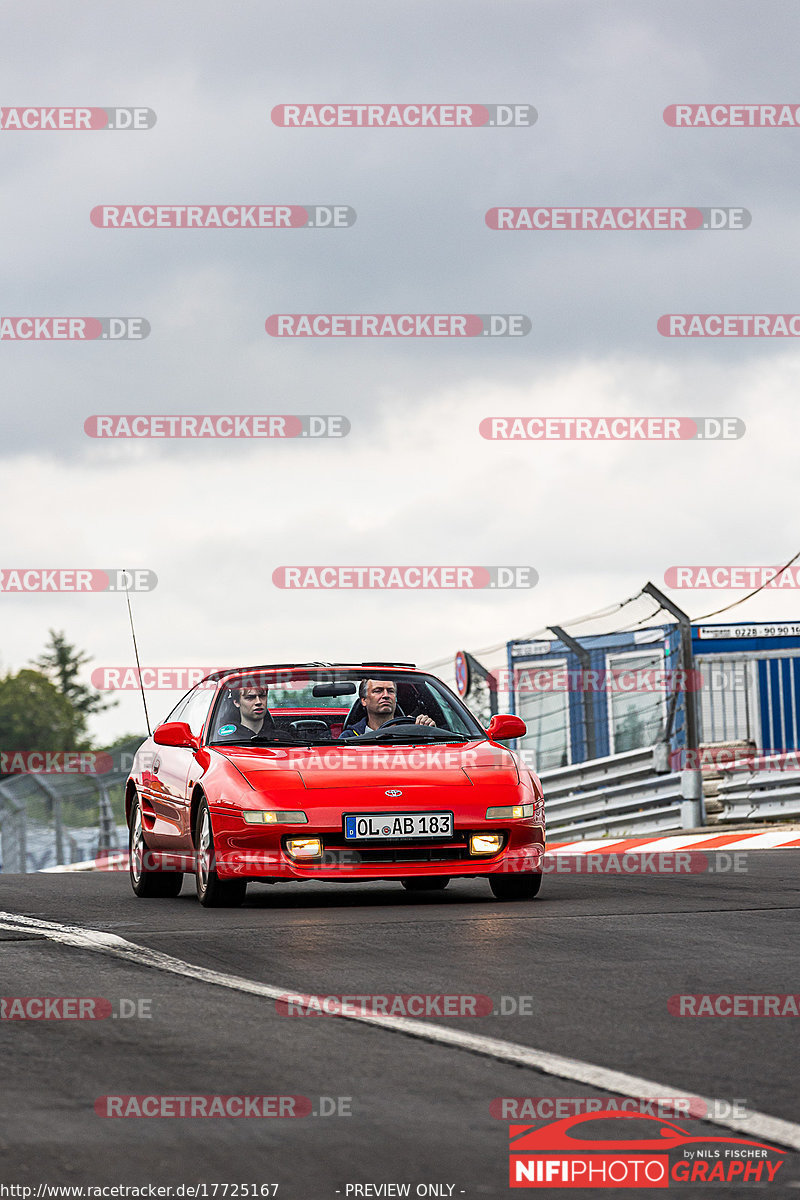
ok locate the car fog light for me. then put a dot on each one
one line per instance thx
(511, 812)
(485, 843)
(304, 847)
(271, 817)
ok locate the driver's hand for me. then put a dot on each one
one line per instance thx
(423, 720)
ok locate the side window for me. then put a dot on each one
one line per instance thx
(178, 710)
(196, 710)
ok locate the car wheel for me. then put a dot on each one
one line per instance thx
(516, 887)
(435, 883)
(213, 892)
(144, 881)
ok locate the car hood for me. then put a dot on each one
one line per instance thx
(328, 767)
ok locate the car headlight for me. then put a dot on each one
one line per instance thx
(510, 812)
(304, 847)
(266, 816)
(485, 843)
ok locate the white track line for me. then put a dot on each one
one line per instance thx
(756, 1124)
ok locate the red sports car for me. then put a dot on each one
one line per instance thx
(334, 772)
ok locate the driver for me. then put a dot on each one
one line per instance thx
(379, 698)
(254, 719)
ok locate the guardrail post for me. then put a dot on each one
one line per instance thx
(691, 777)
(58, 823)
(691, 799)
(587, 700)
(18, 815)
(107, 838)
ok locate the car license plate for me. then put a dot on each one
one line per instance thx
(369, 826)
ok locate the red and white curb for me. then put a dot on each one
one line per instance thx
(771, 839)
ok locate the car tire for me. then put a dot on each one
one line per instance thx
(515, 887)
(147, 884)
(212, 892)
(435, 883)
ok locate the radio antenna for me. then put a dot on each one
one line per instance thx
(136, 653)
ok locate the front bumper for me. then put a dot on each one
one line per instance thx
(260, 853)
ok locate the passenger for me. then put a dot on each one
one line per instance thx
(379, 698)
(254, 718)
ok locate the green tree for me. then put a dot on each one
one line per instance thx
(61, 663)
(35, 716)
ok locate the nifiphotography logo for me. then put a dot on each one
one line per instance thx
(613, 1149)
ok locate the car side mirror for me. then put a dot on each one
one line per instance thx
(503, 726)
(176, 733)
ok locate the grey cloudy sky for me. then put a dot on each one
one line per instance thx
(413, 482)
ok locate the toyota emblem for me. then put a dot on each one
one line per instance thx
(393, 792)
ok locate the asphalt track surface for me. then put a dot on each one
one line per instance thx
(598, 954)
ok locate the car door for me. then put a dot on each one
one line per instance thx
(172, 768)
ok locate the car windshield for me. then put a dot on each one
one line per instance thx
(310, 707)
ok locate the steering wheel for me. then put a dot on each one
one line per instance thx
(398, 721)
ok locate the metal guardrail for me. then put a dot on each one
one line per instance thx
(52, 820)
(619, 795)
(753, 795)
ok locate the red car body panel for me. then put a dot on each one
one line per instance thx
(326, 782)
